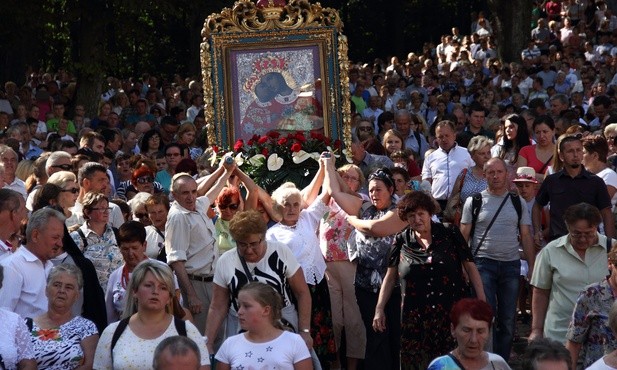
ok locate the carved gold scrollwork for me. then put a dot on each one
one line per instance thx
(245, 16)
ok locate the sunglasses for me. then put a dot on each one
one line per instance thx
(141, 215)
(365, 128)
(144, 180)
(232, 207)
(71, 190)
(64, 167)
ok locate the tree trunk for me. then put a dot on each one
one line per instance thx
(91, 55)
(512, 24)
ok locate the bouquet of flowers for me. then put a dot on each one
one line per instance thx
(275, 158)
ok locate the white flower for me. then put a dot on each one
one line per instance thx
(300, 156)
(257, 160)
(274, 162)
(348, 155)
(315, 156)
(239, 159)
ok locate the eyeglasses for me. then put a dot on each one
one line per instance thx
(106, 210)
(64, 167)
(253, 245)
(583, 235)
(347, 177)
(144, 179)
(365, 128)
(141, 215)
(232, 207)
(172, 155)
(71, 190)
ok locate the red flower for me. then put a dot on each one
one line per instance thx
(337, 144)
(296, 147)
(300, 137)
(282, 141)
(290, 136)
(215, 148)
(251, 142)
(263, 140)
(274, 134)
(255, 137)
(315, 135)
(238, 145)
(265, 152)
(326, 140)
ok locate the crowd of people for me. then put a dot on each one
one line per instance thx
(477, 193)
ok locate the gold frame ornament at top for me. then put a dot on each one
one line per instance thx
(267, 26)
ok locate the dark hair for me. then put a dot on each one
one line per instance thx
(414, 201)
(9, 200)
(177, 346)
(568, 138)
(144, 146)
(596, 144)
(187, 165)
(384, 175)
(477, 309)
(582, 211)
(602, 100)
(131, 231)
(383, 118)
(44, 195)
(543, 119)
(401, 171)
(522, 136)
(545, 349)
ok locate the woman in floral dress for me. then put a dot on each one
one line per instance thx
(427, 258)
(59, 339)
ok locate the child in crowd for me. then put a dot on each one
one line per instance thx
(264, 345)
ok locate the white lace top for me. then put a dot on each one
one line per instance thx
(303, 241)
(14, 339)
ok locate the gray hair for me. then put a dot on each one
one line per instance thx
(284, 192)
(40, 218)
(66, 268)
(54, 157)
(402, 113)
(139, 199)
(478, 142)
(610, 129)
(61, 178)
(176, 178)
(177, 346)
(563, 99)
(545, 349)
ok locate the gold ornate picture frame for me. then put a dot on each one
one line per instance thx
(275, 68)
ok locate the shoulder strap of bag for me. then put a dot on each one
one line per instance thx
(83, 237)
(545, 165)
(116, 234)
(247, 272)
(490, 225)
(516, 202)
(476, 203)
(456, 361)
(29, 323)
(180, 326)
(118, 332)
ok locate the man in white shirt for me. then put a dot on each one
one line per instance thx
(26, 271)
(12, 213)
(11, 181)
(190, 241)
(442, 166)
(372, 112)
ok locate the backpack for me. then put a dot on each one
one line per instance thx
(179, 323)
(85, 240)
(476, 204)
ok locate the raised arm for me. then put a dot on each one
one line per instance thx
(251, 188)
(220, 177)
(387, 224)
(310, 192)
(351, 204)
